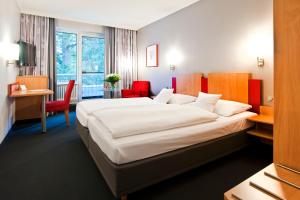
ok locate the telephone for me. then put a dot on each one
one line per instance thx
(23, 87)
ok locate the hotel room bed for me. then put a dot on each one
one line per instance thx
(134, 162)
(131, 163)
(129, 177)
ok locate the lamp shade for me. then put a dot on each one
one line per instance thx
(10, 51)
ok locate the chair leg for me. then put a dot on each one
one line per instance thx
(67, 117)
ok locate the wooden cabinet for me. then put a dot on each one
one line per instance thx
(287, 83)
(281, 180)
(273, 182)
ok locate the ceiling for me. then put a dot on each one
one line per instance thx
(129, 14)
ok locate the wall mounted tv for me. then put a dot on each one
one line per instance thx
(27, 54)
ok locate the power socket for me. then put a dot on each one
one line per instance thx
(270, 99)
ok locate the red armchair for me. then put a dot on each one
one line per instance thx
(56, 106)
(139, 89)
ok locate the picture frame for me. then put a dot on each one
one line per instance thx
(152, 55)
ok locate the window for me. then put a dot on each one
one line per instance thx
(80, 57)
(66, 57)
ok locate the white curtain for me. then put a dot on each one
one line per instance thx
(121, 54)
(35, 30)
(40, 31)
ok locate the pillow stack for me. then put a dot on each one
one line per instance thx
(164, 96)
(181, 99)
(213, 103)
(209, 102)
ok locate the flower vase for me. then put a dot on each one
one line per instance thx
(112, 85)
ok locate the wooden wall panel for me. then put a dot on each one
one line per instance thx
(287, 83)
(189, 84)
(30, 107)
(232, 86)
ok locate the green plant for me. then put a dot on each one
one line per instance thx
(112, 79)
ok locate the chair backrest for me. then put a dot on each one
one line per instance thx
(141, 87)
(68, 92)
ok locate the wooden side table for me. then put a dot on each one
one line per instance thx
(264, 123)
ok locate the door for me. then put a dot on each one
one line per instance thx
(92, 66)
(287, 83)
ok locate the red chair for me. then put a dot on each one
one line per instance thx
(139, 89)
(56, 106)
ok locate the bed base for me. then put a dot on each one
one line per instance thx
(130, 177)
(83, 133)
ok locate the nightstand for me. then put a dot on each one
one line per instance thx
(264, 123)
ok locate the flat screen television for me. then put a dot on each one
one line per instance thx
(27, 54)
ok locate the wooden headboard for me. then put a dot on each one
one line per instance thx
(189, 84)
(232, 86)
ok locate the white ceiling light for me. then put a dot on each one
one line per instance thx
(129, 14)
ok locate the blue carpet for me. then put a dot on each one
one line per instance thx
(57, 166)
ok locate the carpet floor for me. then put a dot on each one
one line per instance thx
(57, 166)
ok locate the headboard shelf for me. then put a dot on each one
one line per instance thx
(189, 84)
(232, 86)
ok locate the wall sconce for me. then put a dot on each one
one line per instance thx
(260, 62)
(172, 68)
(174, 57)
(10, 53)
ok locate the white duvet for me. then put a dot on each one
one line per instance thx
(97, 104)
(135, 120)
(85, 108)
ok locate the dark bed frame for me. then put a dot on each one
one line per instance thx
(130, 177)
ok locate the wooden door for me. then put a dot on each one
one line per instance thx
(287, 83)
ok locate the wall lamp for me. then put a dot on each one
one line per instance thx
(174, 57)
(260, 62)
(172, 67)
(10, 53)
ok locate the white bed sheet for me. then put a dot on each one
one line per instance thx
(137, 147)
(85, 108)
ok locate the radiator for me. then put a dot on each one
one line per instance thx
(61, 89)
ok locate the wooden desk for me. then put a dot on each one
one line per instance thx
(43, 93)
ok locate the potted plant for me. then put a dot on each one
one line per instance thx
(112, 79)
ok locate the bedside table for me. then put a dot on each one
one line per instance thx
(264, 123)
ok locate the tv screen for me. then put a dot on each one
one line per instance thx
(27, 54)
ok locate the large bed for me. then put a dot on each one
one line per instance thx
(134, 162)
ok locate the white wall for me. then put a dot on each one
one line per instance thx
(212, 36)
(9, 32)
(78, 27)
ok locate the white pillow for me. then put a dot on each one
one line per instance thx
(181, 99)
(207, 101)
(229, 108)
(164, 95)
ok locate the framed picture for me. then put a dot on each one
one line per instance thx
(152, 56)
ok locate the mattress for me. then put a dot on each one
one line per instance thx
(138, 147)
(85, 108)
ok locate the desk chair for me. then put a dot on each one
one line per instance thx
(63, 105)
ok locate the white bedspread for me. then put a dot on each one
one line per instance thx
(137, 147)
(85, 108)
(127, 121)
